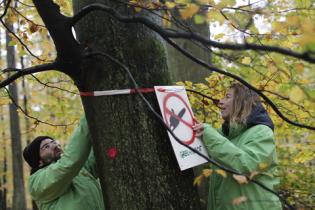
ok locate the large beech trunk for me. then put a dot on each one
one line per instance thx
(144, 174)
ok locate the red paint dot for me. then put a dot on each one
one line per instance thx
(112, 153)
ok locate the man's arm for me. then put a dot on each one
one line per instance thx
(90, 164)
(49, 183)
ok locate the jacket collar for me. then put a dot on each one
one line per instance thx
(258, 116)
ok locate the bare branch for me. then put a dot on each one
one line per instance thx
(54, 87)
(31, 117)
(27, 19)
(306, 56)
(20, 41)
(22, 72)
(7, 5)
(27, 5)
(167, 34)
(212, 68)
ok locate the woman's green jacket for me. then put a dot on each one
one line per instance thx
(248, 151)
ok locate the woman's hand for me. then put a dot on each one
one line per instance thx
(198, 128)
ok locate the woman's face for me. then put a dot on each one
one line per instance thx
(226, 104)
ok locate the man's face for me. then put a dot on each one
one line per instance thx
(49, 151)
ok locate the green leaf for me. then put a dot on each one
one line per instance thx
(12, 43)
(199, 19)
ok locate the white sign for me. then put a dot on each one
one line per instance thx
(177, 114)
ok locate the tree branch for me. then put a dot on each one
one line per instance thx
(22, 72)
(166, 35)
(7, 5)
(31, 117)
(54, 87)
(306, 56)
(20, 41)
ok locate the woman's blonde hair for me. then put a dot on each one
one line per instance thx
(243, 102)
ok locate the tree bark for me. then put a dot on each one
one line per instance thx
(145, 174)
(182, 68)
(19, 202)
(4, 170)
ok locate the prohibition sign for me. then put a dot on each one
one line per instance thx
(177, 118)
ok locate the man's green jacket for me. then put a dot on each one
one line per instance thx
(248, 149)
(70, 183)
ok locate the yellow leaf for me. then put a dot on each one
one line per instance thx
(198, 180)
(263, 166)
(299, 68)
(202, 2)
(4, 101)
(170, 5)
(221, 172)
(246, 60)
(207, 172)
(218, 36)
(253, 174)
(240, 179)
(138, 9)
(293, 20)
(215, 15)
(166, 21)
(239, 200)
(296, 95)
(189, 11)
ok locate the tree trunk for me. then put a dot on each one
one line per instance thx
(4, 170)
(144, 174)
(182, 68)
(27, 120)
(19, 202)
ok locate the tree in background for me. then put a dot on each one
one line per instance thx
(19, 202)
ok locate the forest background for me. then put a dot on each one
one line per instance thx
(49, 103)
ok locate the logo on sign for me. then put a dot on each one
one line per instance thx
(179, 117)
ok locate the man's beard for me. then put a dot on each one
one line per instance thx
(51, 160)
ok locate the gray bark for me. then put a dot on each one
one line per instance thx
(182, 68)
(19, 202)
(145, 174)
(4, 170)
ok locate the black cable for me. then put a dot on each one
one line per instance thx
(160, 119)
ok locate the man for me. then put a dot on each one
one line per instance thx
(64, 181)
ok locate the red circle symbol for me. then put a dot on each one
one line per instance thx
(173, 120)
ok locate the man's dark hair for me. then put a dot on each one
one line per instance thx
(31, 152)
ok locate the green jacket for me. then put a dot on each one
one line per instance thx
(242, 150)
(70, 183)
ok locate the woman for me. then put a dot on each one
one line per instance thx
(246, 144)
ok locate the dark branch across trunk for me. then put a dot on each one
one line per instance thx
(182, 68)
(145, 174)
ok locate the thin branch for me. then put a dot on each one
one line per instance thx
(160, 119)
(31, 117)
(27, 19)
(24, 4)
(7, 5)
(166, 35)
(31, 70)
(54, 87)
(212, 68)
(306, 56)
(20, 41)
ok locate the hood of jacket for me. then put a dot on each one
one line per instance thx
(258, 116)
